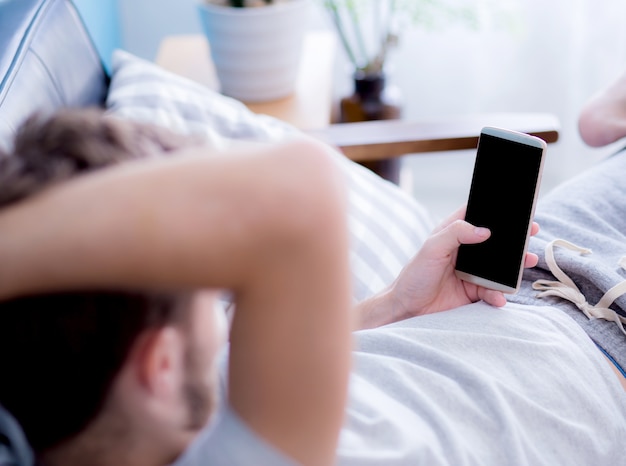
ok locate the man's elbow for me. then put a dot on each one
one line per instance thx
(310, 188)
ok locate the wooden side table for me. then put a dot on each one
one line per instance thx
(308, 108)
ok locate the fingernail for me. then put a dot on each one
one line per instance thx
(481, 231)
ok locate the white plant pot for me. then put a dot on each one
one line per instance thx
(256, 51)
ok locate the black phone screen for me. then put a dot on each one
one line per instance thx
(501, 198)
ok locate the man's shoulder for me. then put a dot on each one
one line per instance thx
(227, 440)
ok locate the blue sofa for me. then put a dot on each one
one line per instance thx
(48, 61)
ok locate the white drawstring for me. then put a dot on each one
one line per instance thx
(566, 289)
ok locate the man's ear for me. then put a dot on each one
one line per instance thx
(158, 362)
(149, 389)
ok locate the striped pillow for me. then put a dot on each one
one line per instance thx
(387, 226)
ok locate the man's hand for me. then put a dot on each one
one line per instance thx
(428, 284)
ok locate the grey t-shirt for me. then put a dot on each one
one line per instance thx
(520, 385)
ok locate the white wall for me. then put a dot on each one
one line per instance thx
(563, 52)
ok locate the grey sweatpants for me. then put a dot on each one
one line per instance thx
(589, 211)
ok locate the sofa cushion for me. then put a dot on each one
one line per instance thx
(387, 226)
(143, 91)
(48, 61)
(14, 448)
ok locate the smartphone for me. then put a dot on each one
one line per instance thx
(503, 194)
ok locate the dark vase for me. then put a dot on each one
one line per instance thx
(373, 99)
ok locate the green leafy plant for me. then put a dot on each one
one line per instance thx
(368, 29)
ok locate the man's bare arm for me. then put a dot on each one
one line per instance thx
(268, 224)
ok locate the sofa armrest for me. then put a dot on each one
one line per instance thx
(378, 140)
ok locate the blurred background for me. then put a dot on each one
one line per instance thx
(534, 56)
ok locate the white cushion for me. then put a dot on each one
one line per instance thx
(387, 226)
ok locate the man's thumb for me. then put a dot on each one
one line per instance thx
(451, 237)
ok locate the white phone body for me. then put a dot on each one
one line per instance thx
(503, 195)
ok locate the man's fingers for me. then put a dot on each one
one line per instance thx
(459, 214)
(535, 229)
(495, 298)
(531, 260)
(449, 238)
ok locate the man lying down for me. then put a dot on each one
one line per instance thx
(114, 348)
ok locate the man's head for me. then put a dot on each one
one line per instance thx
(94, 370)
(48, 150)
